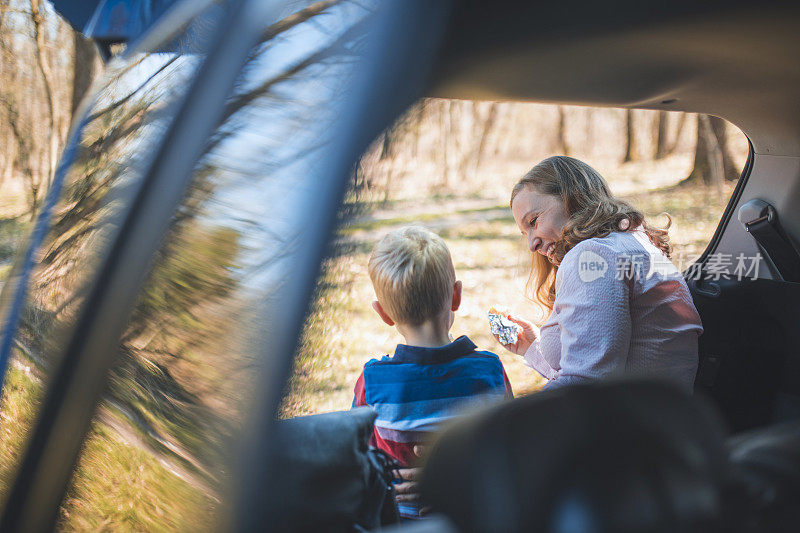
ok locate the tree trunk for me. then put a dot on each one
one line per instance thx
(37, 17)
(23, 140)
(83, 69)
(713, 152)
(5, 158)
(712, 161)
(418, 119)
(561, 138)
(588, 132)
(630, 138)
(661, 135)
(720, 128)
(488, 126)
(386, 144)
(678, 130)
(701, 169)
(444, 116)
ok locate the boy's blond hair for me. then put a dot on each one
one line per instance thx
(413, 275)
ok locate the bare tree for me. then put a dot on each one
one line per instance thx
(83, 69)
(487, 126)
(588, 129)
(661, 135)
(37, 18)
(561, 132)
(713, 163)
(23, 141)
(444, 115)
(630, 138)
(35, 67)
(418, 114)
(678, 131)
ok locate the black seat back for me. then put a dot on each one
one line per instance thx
(626, 456)
(324, 476)
(766, 466)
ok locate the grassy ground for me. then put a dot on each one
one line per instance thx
(21, 395)
(14, 222)
(12, 230)
(343, 332)
(117, 487)
(123, 488)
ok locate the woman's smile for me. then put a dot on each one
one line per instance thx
(540, 218)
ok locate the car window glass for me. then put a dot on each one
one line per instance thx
(136, 101)
(163, 441)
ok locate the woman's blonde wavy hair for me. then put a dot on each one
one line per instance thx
(593, 212)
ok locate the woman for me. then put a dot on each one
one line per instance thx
(617, 305)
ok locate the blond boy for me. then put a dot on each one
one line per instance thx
(430, 376)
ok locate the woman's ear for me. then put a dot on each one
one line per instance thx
(376, 305)
(456, 296)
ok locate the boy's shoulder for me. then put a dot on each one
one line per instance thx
(484, 360)
(378, 360)
(480, 354)
(486, 353)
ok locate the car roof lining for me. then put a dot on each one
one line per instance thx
(730, 59)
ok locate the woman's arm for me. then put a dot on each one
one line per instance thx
(593, 306)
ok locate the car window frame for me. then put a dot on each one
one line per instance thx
(725, 219)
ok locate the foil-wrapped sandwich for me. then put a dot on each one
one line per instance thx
(506, 330)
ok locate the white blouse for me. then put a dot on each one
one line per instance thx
(621, 308)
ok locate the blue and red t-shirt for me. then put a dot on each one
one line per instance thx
(418, 388)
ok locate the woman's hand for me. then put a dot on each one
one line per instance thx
(524, 339)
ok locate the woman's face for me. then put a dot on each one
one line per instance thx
(540, 217)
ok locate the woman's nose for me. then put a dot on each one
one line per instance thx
(533, 242)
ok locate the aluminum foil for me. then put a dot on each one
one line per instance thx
(506, 330)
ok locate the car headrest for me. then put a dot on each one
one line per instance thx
(623, 456)
(766, 467)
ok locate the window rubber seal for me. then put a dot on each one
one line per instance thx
(727, 214)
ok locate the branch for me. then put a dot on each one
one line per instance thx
(297, 18)
(243, 100)
(122, 101)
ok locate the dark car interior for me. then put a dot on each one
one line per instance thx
(727, 458)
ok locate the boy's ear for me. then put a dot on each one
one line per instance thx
(456, 296)
(376, 305)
